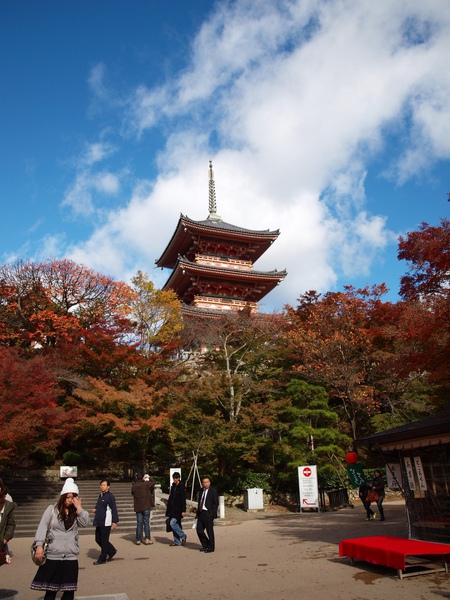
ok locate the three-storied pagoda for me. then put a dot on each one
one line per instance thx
(212, 263)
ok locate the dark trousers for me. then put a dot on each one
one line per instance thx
(380, 506)
(369, 511)
(205, 522)
(52, 595)
(102, 533)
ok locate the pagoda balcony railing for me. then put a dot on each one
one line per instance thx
(225, 263)
(223, 303)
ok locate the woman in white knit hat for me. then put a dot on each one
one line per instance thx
(60, 571)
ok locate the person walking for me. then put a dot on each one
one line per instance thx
(378, 487)
(59, 524)
(7, 522)
(143, 492)
(176, 510)
(106, 518)
(364, 491)
(208, 503)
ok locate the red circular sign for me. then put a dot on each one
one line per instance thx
(307, 472)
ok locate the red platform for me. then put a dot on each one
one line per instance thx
(393, 552)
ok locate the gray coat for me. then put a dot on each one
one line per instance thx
(63, 543)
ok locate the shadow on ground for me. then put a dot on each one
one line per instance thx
(332, 527)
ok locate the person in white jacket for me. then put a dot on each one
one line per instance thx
(59, 524)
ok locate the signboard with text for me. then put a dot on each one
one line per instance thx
(309, 489)
(67, 471)
(394, 476)
(410, 473)
(420, 473)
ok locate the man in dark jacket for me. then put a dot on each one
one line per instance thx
(176, 510)
(106, 517)
(208, 503)
(143, 492)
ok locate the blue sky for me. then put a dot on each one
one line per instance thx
(326, 119)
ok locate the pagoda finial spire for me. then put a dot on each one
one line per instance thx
(212, 195)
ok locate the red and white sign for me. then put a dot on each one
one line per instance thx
(309, 489)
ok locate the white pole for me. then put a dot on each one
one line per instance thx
(221, 507)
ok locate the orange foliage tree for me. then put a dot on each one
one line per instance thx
(425, 290)
(79, 324)
(47, 303)
(121, 425)
(31, 422)
(331, 344)
(156, 315)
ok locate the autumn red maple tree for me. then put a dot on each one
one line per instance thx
(425, 290)
(331, 345)
(31, 422)
(46, 303)
(118, 422)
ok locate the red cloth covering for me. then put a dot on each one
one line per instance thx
(390, 551)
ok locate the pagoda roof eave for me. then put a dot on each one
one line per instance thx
(181, 276)
(186, 227)
(224, 273)
(224, 226)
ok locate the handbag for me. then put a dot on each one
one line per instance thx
(41, 562)
(37, 562)
(168, 527)
(372, 497)
(3, 554)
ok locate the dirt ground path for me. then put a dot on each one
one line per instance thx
(259, 556)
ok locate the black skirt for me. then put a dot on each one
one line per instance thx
(56, 575)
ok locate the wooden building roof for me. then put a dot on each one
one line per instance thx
(429, 431)
(218, 237)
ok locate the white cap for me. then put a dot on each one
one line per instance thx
(69, 487)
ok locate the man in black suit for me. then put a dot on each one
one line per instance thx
(208, 503)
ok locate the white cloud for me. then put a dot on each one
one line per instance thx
(299, 95)
(36, 225)
(94, 153)
(79, 196)
(96, 81)
(51, 247)
(108, 183)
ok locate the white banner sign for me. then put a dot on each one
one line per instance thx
(68, 472)
(410, 473)
(420, 474)
(394, 476)
(309, 490)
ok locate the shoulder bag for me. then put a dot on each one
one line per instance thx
(3, 554)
